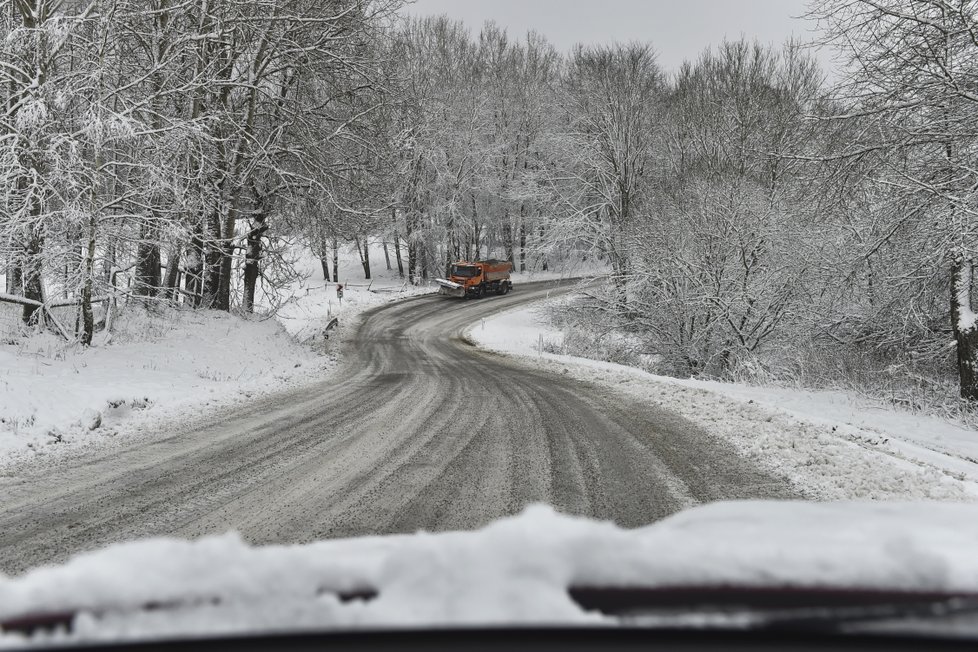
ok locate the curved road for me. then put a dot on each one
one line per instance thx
(419, 430)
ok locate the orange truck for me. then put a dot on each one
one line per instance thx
(477, 279)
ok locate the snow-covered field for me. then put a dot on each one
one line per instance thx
(514, 571)
(830, 445)
(155, 368)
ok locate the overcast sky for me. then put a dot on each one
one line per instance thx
(677, 29)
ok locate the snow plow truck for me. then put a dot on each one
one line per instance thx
(476, 279)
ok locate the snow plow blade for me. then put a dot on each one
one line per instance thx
(449, 288)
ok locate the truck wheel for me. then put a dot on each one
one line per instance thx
(478, 292)
(503, 289)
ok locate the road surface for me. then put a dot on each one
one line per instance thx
(419, 430)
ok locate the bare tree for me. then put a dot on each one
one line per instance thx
(911, 83)
(616, 93)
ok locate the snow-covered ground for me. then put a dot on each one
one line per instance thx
(514, 571)
(164, 366)
(309, 304)
(830, 445)
(154, 368)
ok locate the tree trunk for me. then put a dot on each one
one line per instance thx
(253, 260)
(412, 253)
(194, 283)
(387, 255)
(508, 237)
(147, 281)
(172, 280)
(109, 259)
(448, 259)
(963, 323)
(397, 256)
(323, 255)
(397, 244)
(522, 245)
(223, 299)
(88, 320)
(32, 274)
(212, 260)
(366, 259)
(15, 279)
(336, 261)
(364, 253)
(476, 231)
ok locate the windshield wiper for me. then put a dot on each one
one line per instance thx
(782, 609)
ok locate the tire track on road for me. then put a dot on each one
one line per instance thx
(417, 430)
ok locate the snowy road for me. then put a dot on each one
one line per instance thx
(420, 431)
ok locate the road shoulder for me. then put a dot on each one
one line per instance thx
(821, 458)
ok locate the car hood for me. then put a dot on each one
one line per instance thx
(526, 569)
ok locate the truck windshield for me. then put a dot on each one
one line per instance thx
(465, 270)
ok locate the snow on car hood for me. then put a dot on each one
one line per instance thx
(515, 570)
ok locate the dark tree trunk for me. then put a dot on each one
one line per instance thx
(109, 261)
(397, 256)
(32, 274)
(212, 260)
(364, 253)
(476, 231)
(366, 259)
(964, 327)
(412, 254)
(387, 255)
(522, 246)
(253, 260)
(545, 264)
(397, 244)
(336, 261)
(508, 237)
(15, 279)
(147, 277)
(223, 299)
(323, 256)
(172, 279)
(195, 269)
(88, 320)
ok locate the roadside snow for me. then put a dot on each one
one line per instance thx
(830, 445)
(156, 366)
(514, 571)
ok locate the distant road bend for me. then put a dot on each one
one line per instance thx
(419, 430)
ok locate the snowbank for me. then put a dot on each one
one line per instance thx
(516, 570)
(154, 367)
(830, 445)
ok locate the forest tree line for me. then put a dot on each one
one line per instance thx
(756, 215)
